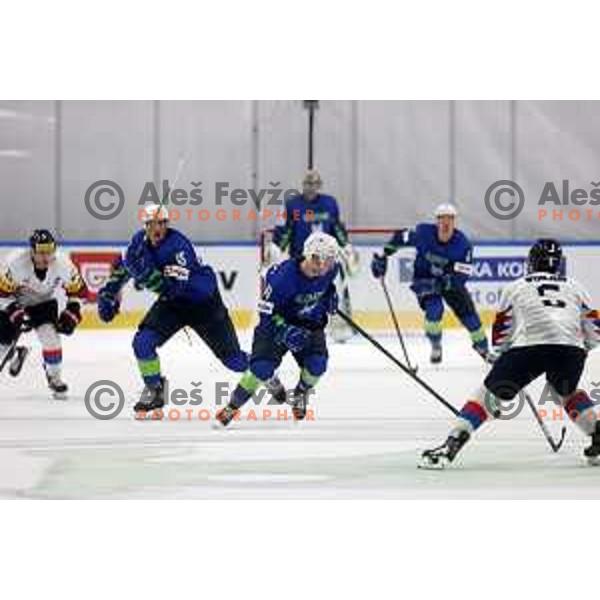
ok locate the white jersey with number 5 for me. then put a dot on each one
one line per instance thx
(542, 308)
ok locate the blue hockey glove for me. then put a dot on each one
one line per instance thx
(379, 265)
(108, 306)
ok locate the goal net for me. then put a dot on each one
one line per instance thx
(367, 300)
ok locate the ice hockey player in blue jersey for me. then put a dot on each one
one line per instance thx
(298, 297)
(162, 260)
(441, 270)
(314, 211)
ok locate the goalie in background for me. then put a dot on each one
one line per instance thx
(304, 214)
(441, 270)
(32, 284)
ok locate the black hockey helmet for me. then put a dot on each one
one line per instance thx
(42, 240)
(545, 255)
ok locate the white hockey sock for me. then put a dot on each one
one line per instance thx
(51, 349)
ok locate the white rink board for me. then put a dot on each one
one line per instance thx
(238, 271)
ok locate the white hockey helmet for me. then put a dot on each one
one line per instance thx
(322, 245)
(154, 212)
(445, 210)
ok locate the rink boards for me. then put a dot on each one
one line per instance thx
(237, 269)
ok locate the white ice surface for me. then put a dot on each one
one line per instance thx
(371, 423)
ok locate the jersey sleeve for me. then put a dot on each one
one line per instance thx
(117, 279)
(73, 283)
(590, 320)
(503, 326)
(400, 239)
(8, 286)
(463, 269)
(339, 230)
(274, 296)
(282, 234)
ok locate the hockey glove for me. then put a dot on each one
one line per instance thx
(108, 306)
(69, 318)
(379, 265)
(18, 317)
(293, 338)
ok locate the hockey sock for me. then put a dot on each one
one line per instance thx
(433, 330)
(581, 411)
(478, 337)
(150, 370)
(145, 342)
(248, 384)
(307, 381)
(51, 349)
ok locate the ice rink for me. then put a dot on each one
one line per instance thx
(370, 424)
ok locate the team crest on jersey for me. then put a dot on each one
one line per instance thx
(180, 259)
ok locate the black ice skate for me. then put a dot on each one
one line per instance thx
(436, 354)
(226, 415)
(276, 389)
(439, 457)
(18, 360)
(57, 386)
(152, 399)
(592, 452)
(299, 404)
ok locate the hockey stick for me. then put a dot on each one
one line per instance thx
(553, 444)
(396, 325)
(398, 363)
(11, 349)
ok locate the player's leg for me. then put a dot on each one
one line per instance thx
(162, 321)
(212, 322)
(565, 366)
(312, 361)
(265, 359)
(433, 308)
(513, 371)
(43, 318)
(461, 303)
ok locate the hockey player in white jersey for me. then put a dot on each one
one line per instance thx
(32, 282)
(544, 326)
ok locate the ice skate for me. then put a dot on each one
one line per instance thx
(58, 387)
(440, 457)
(224, 416)
(152, 399)
(436, 354)
(592, 452)
(299, 404)
(276, 389)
